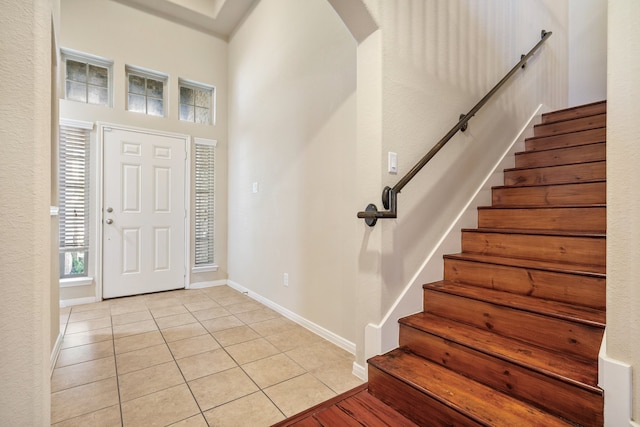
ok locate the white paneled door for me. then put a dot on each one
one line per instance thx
(143, 212)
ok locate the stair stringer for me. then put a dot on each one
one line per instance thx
(384, 336)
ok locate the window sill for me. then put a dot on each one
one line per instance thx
(76, 281)
(204, 268)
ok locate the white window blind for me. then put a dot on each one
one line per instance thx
(74, 200)
(205, 203)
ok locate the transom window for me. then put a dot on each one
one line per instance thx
(197, 102)
(146, 92)
(87, 78)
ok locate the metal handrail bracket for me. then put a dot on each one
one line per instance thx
(389, 194)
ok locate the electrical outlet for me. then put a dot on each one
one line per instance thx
(285, 279)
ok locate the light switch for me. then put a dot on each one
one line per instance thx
(256, 187)
(393, 162)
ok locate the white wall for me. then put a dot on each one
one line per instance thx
(130, 37)
(623, 199)
(25, 138)
(292, 130)
(587, 51)
(438, 59)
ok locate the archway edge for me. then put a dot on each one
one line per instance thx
(357, 17)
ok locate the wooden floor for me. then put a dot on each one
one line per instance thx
(356, 407)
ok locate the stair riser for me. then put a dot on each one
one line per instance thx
(553, 395)
(569, 249)
(573, 113)
(568, 174)
(562, 156)
(417, 406)
(569, 194)
(552, 333)
(583, 123)
(591, 219)
(590, 136)
(568, 288)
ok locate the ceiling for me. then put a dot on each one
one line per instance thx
(216, 17)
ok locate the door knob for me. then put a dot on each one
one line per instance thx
(109, 221)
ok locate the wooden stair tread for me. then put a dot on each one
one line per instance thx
(582, 315)
(557, 156)
(568, 126)
(589, 136)
(502, 187)
(483, 404)
(353, 406)
(575, 112)
(565, 368)
(586, 270)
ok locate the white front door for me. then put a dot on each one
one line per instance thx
(143, 212)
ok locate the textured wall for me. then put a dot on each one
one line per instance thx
(25, 49)
(292, 129)
(623, 198)
(439, 59)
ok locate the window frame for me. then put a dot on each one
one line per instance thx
(73, 130)
(209, 177)
(147, 74)
(74, 55)
(197, 86)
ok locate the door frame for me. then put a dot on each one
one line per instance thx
(99, 210)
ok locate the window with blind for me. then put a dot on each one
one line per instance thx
(204, 201)
(73, 200)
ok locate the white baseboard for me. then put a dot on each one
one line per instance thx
(616, 379)
(359, 371)
(317, 329)
(209, 284)
(77, 301)
(55, 352)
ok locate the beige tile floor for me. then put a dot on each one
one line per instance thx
(202, 357)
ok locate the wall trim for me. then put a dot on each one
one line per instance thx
(616, 379)
(209, 284)
(359, 371)
(55, 352)
(78, 301)
(383, 337)
(72, 282)
(317, 329)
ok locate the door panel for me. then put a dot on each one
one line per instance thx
(143, 212)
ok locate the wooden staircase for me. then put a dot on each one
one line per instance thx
(511, 336)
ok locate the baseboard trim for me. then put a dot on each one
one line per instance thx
(208, 284)
(359, 371)
(316, 329)
(55, 352)
(77, 301)
(616, 379)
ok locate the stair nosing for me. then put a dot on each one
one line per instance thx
(514, 207)
(491, 353)
(518, 305)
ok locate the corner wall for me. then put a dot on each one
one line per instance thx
(623, 200)
(25, 173)
(292, 131)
